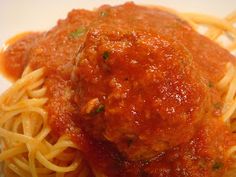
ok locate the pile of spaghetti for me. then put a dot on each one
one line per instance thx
(47, 129)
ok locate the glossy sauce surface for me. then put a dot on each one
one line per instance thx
(14, 59)
(135, 89)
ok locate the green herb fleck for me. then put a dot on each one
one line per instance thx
(210, 84)
(101, 108)
(79, 32)
(202, 163)
(130, 139)
(144, 174)
(103, 14)
(105, 55)
(217, 165)
(217, 105)
(130, 142)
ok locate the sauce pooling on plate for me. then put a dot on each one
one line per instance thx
(135, 89)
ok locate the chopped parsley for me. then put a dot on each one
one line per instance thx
(130, 139)
(144, 174)
(202, 163)
(218, 105)
(103, 14)
(217, 165)
(130, 142)
(100, 108)
(79, 32)
(210, 84)
(105, 55)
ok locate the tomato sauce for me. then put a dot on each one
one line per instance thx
(135, 89)
(14, 59)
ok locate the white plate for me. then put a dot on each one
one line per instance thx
(30, 15)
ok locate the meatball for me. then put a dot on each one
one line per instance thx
(138, 90)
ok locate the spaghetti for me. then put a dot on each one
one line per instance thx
(216, 29)
(30, 149)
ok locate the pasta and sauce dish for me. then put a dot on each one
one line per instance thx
(121, 91)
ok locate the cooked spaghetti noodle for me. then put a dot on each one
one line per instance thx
(216, 29)
(30, 149)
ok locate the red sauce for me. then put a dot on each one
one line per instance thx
(130, 85)
(152, 92)
(14, 59)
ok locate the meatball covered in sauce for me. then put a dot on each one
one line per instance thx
(138, 90)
